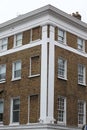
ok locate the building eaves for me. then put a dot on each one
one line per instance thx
(45, 9)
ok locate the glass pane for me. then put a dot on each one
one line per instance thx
(16, 103)
(17, 65)
(1, 106)
(1, 117)
(15, 116)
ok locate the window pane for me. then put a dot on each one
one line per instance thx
(2, 72)
(18, 39)
(60, 35)
(81, 74)
(17, 69)
(16, 104)
(3, 44)
(80, 112)
(61, 68)
(61, 109)
(16, 109)
(16, 116)
(80, 44)
(1, 110)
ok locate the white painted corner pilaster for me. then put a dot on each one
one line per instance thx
(43, 89)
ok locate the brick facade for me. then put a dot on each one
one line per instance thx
(39, 86)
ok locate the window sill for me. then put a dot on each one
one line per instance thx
(15, 79)
(14, 124)
(2, 81)
(82, 51)
(32, 76)
(17, 46)
(62, 78)
(80, 125)
(82, 84)
(61, 123)
(1, 51)
(63, 43)
(1, 124)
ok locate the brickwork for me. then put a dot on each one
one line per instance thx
(71, 40)
(28, 35)
(24, 87)
(69, 88)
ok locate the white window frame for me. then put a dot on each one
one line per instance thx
(30, 74)
(3, 79)
(64, 110)
(3, 42)
(81, 44)
(2, 100)
(65, 69)
(63, 37)
(13, 69)
(83, 75)
(15, 40)
(83, 113)
(11, 111)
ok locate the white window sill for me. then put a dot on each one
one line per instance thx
(82, 84)
(14, 79)
(2, 81)
(82, 51)
(3, 50)
(1, 124)
(80, 125)
(62, 78)
(32, 76)
(17, 46)
(63, 43)
(61, 123)
(14, 124)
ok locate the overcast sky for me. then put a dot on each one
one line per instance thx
(12, 8)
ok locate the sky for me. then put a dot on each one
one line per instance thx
(10, 9)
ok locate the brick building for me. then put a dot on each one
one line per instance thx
(43, 71)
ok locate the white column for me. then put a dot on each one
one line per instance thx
(43, 89)
(51, 77)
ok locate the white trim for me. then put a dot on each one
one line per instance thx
(84, 119)
(68, 48)
(64, 122)
(11, 112)
(65, 69)
(84, 75)
(37, 43)
(15, 78)
(43, 90)
(32, 76)
(34, 43)
(51, 76)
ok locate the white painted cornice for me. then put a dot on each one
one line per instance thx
(48, 9)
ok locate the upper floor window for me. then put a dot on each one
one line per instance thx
(62, 68)
(81, 44)
(61, 110)
(2, 72)
(81, 113)
(3, 44)
(1, 110)
(81, 74)
(61, 36)
(15, 110)
(18, 40)
(35, 66)
(16, 70)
